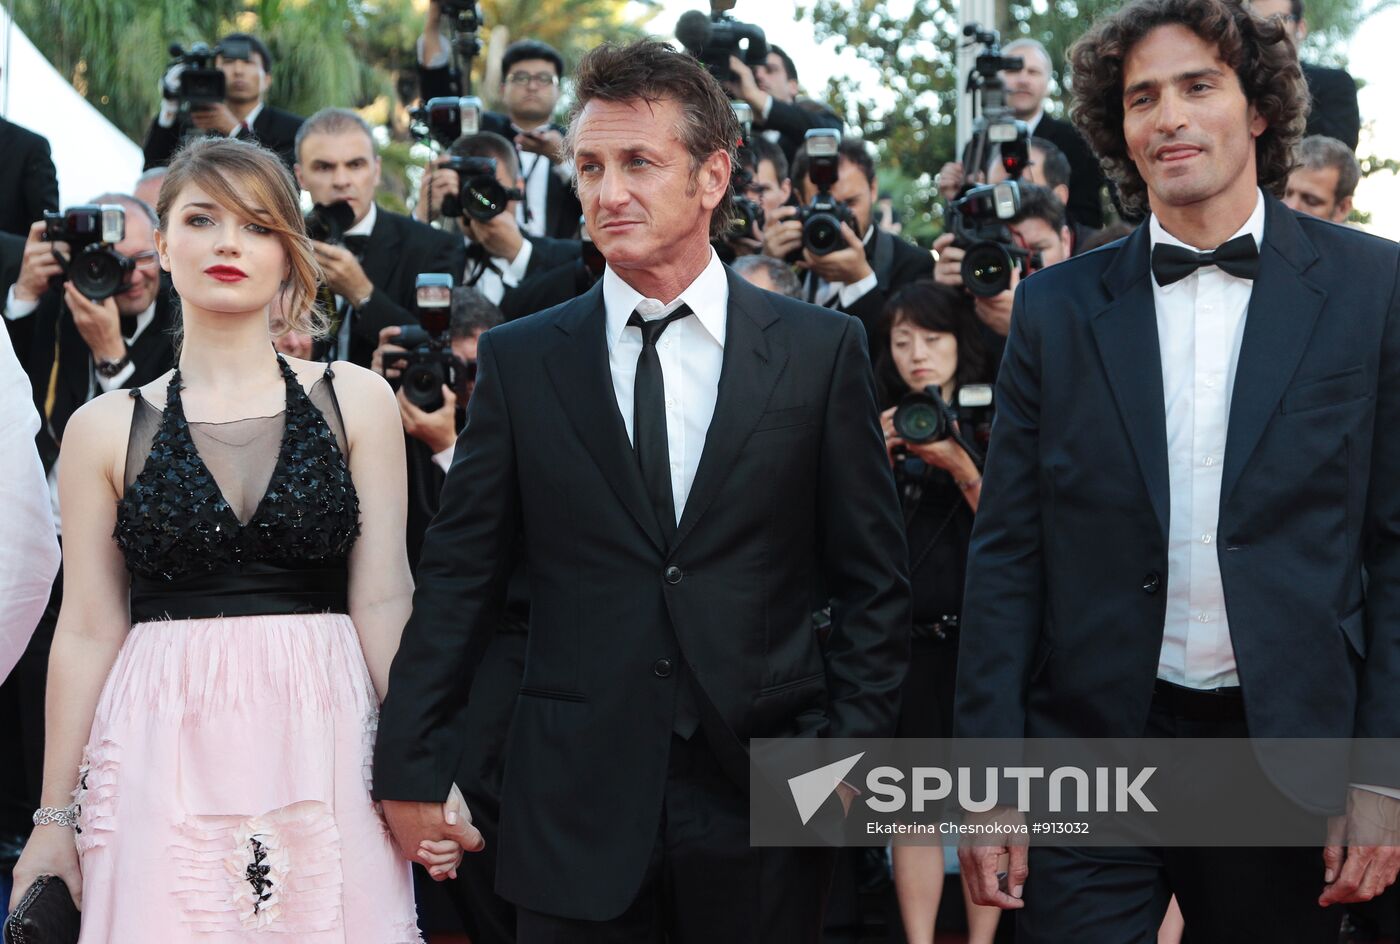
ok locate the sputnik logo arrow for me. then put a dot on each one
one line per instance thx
(810, 790)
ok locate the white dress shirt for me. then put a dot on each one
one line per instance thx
(691, 352)
(28, 542)
(508, 273)
(1200, 324)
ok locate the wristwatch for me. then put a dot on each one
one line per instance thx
(110, 369)
(364, 301)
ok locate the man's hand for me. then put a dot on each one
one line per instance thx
(782, 233)
(950, 180)
(38, 266)
(1363, 849)
(948, 269)
(996, 875)
(424, 831)
(99, 323)
(435, 185)
(439, 428)
(546, 141)
(376, 362)
(215, 117)
(995, 311)
(500, 236)
(945, 454)
(745, 86)
(343, 272)
(847, 266)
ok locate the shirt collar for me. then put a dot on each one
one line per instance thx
(707, 296)
(366, 225)
(253, 115)
(141, 321)
(1033, 122)
(1254, 226)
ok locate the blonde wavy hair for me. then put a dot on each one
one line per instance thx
(221, 167)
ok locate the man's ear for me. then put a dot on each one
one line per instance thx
(301, 179)
(1300, 31)
(1342, 211)
(1062, 191)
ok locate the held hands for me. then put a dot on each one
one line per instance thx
(49, 851)
(343, 272)
(1362, 854)
(950, 180)
(745, 86)
(437, 429)
(847, 266)
(214, 117)
(434, 186)
(946, 454)
(782, 234)
(996, 875)
(434, 834)
(546, 141)
(38, 266)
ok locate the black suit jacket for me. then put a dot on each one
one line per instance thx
(1334, 111)
(792, 122)
(1066, 597)
(908, 263)
(28, 181)
(793, 499)
(398, 251)
(1086, 177)
(274, 129)
(152, 354)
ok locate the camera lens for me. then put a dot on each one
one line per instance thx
(97, 273)
(484, 199)
(917, 419)
(986, 269)
(422, 385)
(822, 234)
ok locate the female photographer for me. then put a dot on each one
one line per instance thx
(933, 340)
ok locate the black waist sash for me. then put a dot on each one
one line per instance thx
(258, 589)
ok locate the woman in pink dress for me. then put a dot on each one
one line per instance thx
(235, 586)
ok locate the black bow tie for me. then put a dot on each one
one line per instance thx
(357, 245)
(1238, 257)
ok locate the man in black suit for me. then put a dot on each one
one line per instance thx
(532, 73)
(684, 498)
(771, 90)
(500, 255)
(373, 273)
(860, 277)
(242, 114)
(76, 348)
(28, 181)
(1179, 434)
(1335, 112)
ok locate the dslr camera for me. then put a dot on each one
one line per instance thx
(822, 218)
(924, 417)
(713, 39)
(480, 195)
(978, 221)
(327, 222)
(91, 231)
(995, 127)
(445, 119)
(429, 363)
(200, 82)
(748, 215)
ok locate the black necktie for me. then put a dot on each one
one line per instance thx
(357, 245)
(1238, 257)
(649, 420)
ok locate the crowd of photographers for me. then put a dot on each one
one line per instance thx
(496, 234)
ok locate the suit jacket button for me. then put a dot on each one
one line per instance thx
(662, 668)
(673, 575)
(1151, 582)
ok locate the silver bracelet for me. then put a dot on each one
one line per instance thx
(55, 816)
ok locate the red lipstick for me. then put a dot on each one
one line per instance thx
(226, 273)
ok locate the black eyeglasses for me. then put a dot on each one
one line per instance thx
(532, 78)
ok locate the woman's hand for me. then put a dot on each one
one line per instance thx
(49, 851)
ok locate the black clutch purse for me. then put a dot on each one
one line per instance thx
(45, 915)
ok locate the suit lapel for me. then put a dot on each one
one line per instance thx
(382, 250)
(1126, 334)
(1283, 307)
(755, 354)
(578, 368)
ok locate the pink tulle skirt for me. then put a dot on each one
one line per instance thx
(225, 791)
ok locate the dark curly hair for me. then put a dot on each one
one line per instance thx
(1260, 51)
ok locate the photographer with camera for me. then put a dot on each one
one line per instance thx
(478, 184)
(532, 74)
(413, 361)
(993, 244)
(220, 91)
(369, 255)
(771, 90)
(1024, 83)
(851, 265)
(932, 373)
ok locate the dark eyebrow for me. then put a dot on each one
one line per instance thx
(1175, 80)
(202, 206)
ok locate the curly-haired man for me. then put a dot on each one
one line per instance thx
(1194, 463)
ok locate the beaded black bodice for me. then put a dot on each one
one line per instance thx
(174, 521)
